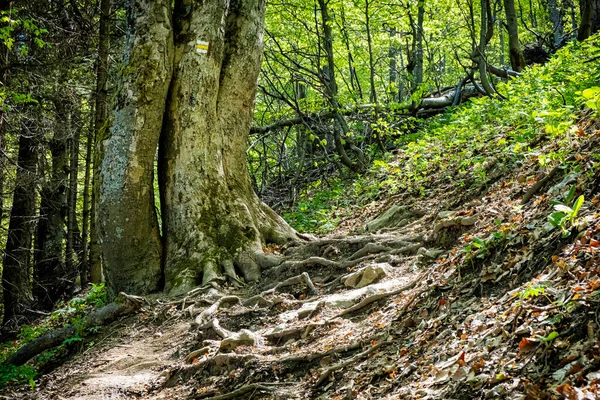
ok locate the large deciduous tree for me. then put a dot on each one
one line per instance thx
(196, 65)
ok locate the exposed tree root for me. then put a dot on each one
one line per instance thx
(197, 353)
(325, 374)
(250, 388)
(205, 318)
(216, 365)
(300, 331)
(316, 356)
(371, 299)
(369, 248)
(296, 280)
(123, 304)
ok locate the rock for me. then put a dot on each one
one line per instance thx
(241, 338)
(447, 219)
(392, 217)
(367, 275)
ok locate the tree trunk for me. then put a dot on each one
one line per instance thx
(557, 22)
(51, 280)
(100, 128)
(517, 61)
(72, 228)
(373, 92)
(213, 221)
(480, 57)
(85, 217)
(418, 71)
(127, 219)
(393, 68)
(587, 12)
(340, 128)
(16, 265)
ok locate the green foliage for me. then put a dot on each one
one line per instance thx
(11, 374)
(564, 217)
(531, 292)
(591, 98)
(465, 144)
(97, 296)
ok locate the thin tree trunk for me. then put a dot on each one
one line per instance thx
(418, 71)
(501, 42)
(585, 27)
(373, 92)
(393, 72)
(72, 228)
(483, 38)
(517, 60)
(51, 279)
(354, 83)
(340, 128)
(100, 129)
(85, 218)
(16, 276)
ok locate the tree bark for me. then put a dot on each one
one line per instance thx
(72, 227)
(16, 264)
(373, 92)
(127, 219)
(587, 12)
(100, 128)
(51, 280)
(517, 61)
(213, 222)
(418, 71)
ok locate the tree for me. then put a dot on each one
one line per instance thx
(212, 220)
(16, 284)
(517, 61)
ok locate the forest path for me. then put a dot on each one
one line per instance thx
(294, 317)
(122, 365)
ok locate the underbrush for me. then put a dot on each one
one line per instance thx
(465, 147)
(65, 313)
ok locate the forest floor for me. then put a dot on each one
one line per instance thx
(471, 271)
(464, 293)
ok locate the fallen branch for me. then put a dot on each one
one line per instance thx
(123, 304)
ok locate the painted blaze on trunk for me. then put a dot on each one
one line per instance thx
(213, 224)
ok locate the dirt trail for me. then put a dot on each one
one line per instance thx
(123, 364)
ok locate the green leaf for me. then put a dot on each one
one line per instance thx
(577, 206)
(555, 219)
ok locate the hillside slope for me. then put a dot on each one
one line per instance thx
(479, 278)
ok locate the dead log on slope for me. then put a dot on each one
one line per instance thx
(446, 99)
(123, 304)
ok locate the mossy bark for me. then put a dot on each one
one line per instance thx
(212, 219)
(213, 224)
(127, 224)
